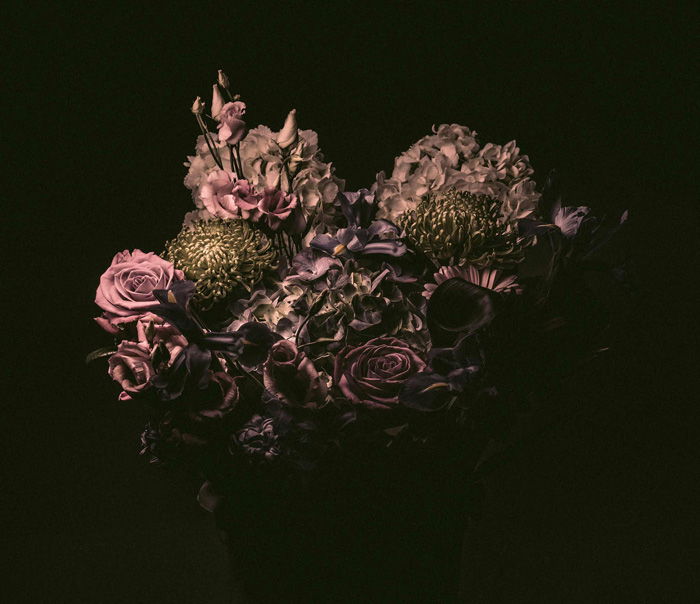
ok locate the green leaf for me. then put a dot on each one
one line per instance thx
(99, 353)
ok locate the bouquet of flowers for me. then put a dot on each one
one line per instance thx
(290, 322)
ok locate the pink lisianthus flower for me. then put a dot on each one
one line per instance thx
(277, 206)
(272, 206)
(131, 368)
(220, 192)
(126, 287)
(231, 126)
(152, 331)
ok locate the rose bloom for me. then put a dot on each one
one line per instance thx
(372, 374)
(126, 287)
(290, 376)
(231, 126)
(131, 368)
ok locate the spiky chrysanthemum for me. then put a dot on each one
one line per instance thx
(460, 227)
(220, 255)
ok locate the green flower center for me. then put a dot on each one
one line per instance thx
(219, 256)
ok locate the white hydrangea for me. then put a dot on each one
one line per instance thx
(265, 164)
(202, 164)
(272, 306)
(452, 158)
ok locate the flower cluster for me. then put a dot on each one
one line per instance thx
(452, 158)
(290, 319)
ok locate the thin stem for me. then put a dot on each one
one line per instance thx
(219, 356)
(232, 161)
(212, 150)
(238, 157)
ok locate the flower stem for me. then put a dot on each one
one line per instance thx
(212, 150)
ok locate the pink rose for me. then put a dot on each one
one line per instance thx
(126, 287)
(231, 126)
(131, 368)
(220, 192)
(372, 374)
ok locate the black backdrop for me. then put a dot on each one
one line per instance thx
(97, 126)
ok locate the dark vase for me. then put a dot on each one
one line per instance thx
(381, 528)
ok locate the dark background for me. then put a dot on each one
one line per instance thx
(97, 126)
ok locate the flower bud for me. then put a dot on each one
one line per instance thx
(289, 133)
(198, 106)
(223, 80)
(217, 101)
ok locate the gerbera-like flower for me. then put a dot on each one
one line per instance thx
(220, 255)
(488, 278)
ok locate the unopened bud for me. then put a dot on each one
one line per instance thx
(223, 80)
(289, 133)
(198, 106)
(217, 101)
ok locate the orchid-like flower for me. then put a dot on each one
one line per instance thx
(451, 372)
(249, 344)
(380, 238)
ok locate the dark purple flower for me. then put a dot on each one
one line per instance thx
(258, 438)
(359, 208)
(310, 265)
(380, 238)
(450, 373)
(291, 377)
(372, 374)
(217, 401)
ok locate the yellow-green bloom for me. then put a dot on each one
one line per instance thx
(461, 228)
(219, 256)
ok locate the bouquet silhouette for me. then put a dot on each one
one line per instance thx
(290, 322)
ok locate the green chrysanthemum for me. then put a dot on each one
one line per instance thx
(461, 228)
(219, 256)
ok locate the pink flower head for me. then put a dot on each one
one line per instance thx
(277, 206)
(131, 368)
(247, 201)
(219, 193)
(126, 287)
(231, 126)
(152, 331)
